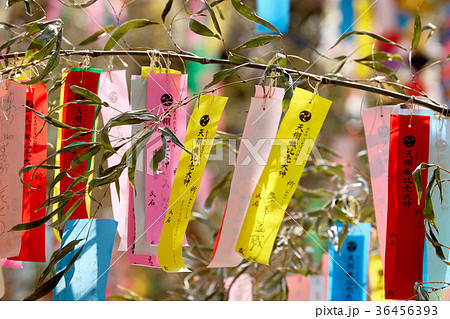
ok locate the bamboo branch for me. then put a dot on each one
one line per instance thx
(442, 109)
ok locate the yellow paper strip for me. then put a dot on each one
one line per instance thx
(376, 278)
(200, 132)
(145, 70)
(295, 139)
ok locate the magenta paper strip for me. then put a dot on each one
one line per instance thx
(7, 263)
(163, 92)
(260, 129)
(2, 283)
(376, 129)
(113, 90)
(12, 133)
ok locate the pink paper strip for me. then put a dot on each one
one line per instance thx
(113, 90)
(299, 287)
(260, 129)
(376, 129)
(242, 288)
(12, 134)
(7, 263)
(163, 92)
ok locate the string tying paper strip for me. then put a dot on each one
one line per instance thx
(200, 133)
(260, 129)
(12, 119)
(294, 141)
(376, 129)
(86, 279)
(348, 268)
(439, 154)
(76, 115)
(408, 148)
(164, 93)
(113, 90)
(35, 152)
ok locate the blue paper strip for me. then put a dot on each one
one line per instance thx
(347, 16)
(86, 279)
(348, 272)
(275, 12)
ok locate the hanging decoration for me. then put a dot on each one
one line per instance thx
(199, 136)
(376, 129)
(348, 268)
(260, 129)
(275, 12)
(165, 90)
(76, 115)
(113, 90)
(437, 270)
(2, 283)
(35, 152)
(86, 279)
(239, 289)
(12, 119)
(296, 136)
(8, 263)
(408, 148)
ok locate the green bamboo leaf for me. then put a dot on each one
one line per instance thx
(61, 221)
(380, 57)
(166, 9)
(370, 34)
(95, 36)
(417, 177)
(166, 132)
(107, 179)
(343, 235)
(380, 68)
(257, 41)
(238, 59)
(55, 181)
(159, 156)
(76, 5)
(57, 256)
(417, 31)
(88, 95)
(437, 177)
(223, 74)
(437, 246)
(121, 30)
(251, 15)
(85, 155)
(131, 155)
(201, 29)
(431, 27)
(289, 92)
(42, 45)
(213, 17)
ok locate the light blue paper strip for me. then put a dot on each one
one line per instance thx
(348, 272)
(347, 16)
(439, 154)
(86, 279)
(275, 12)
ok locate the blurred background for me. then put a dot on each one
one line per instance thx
(314, 26)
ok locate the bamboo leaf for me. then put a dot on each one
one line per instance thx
(95, 36)
(165, 131)
(166, 9)
(417, 31)
(417, 177)
(380, 57)
(213, 17)
(430, 27)
(223, 74)
(159, 156)
(370, 34)
(61, 221)
(85, 155)
(238, 59)
(121, 30)
(201, 29)
(257, 41)
(76, 5)
(87, 95)
(289, 92)
(215, 191)
(251, 15)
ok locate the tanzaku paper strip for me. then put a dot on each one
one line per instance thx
(35, 151)
(348, 268)
(239, 289)
(86, 279)
(439, 154)
(376, 278)
(113, 89)
(2, 283)
(275, 12)
(376, 129)
(165, 91)
(408, 147)
(295, 139)
(199, 135)
(12, 121)
(259, 131)
(8, 263)
(82, 116)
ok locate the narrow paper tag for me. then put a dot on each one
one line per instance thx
(299, 287)
(408, 147)
(35, 152)
(438, 271)
(164, 91)
(275, 12)
(8, 263)
(295, 139)
(259, 131)
(199, 136)
(376, 278)
(348, 268)
(113, 89)
(86, 279)
(376, 129)
(77, 115)
(240, 289)
(2, 283)
(12, 121)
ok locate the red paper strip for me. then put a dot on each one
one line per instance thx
(408, 147)
(82, 116)
(33, 241)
